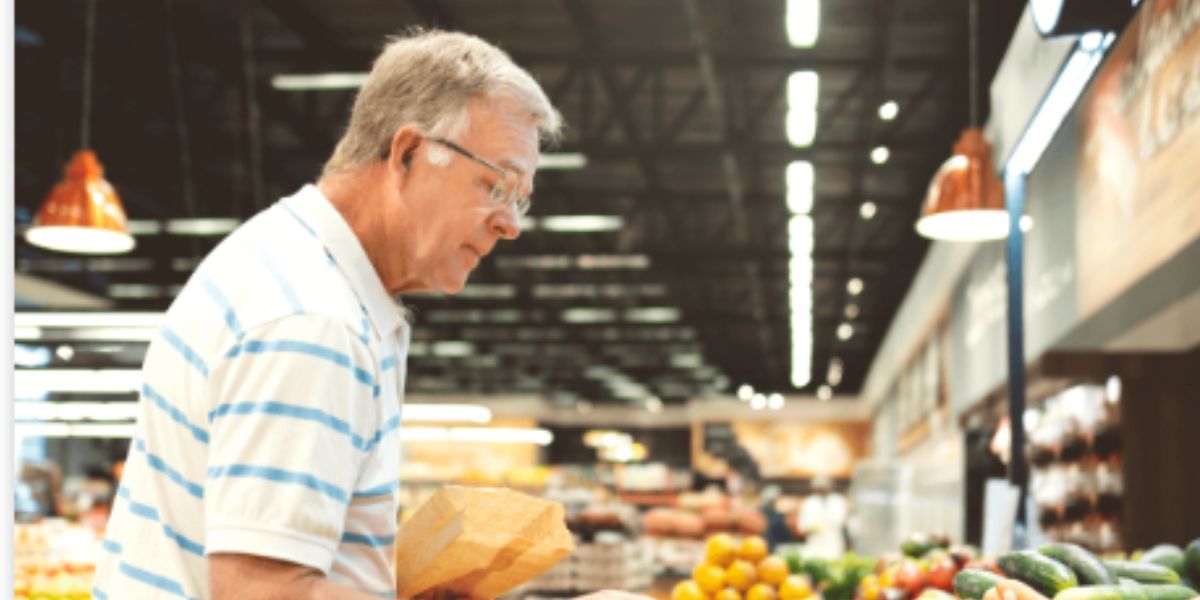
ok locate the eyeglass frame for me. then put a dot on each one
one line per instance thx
(497, 196)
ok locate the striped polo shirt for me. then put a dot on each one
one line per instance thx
(269, 415)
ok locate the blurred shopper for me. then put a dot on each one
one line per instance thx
(267, 445)
(822, 519)
(778, 531)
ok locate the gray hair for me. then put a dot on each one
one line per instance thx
(427, 78)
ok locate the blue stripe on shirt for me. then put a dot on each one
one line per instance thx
(284, 285)
(184, 349)
(374, 541)
(290, 410)
(175, 413)
(387, 363)
(391, 425)
(317, 350)
(161, 466)
(148, 512)
(365, 326)
(163, 583)
(299, 220)
(223, 303)
(98, 593)
(281, 476)
(384, 489)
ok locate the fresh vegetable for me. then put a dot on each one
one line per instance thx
(942, 570)
(1142, 572)
(972, 584)
(1045, 574)
(919, 544)
(1167, 555)
(1008, 588)
(1087, 568)
(1128, 592)
(935, 594)
(1191, 561)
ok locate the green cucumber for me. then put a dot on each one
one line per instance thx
(1043, 573)
(1128, 592)
(1191, 561)
(1087, 568)
(1142, 572)
(1167, 555)
(972, 584)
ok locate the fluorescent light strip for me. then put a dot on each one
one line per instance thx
(75, 411)
(582, 223)
(72, 430)
(588, 315)
(652, 314)
(499, 435)
(800, 275)
(445, 413)
(803, 21)
(1063, 93)
(801, 127)
(34, 383)
(197, 226)
(88, 319)
(800, 180)
(552, 161)
(296, 82)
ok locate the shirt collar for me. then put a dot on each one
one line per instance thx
(317, 212)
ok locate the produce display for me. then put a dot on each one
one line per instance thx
(53, 560)
(737, 570)
(929, 570)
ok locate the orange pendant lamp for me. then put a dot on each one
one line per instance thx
(82, 214)
(965, 201)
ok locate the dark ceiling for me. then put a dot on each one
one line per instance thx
(678, 104)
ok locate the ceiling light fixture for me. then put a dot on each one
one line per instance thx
(880, 154)
(867, 210)
(888, 110)
(800, 181)
(965, 199)
(745, 392)
(801, 121)
(758, 401)
(561, 161)
(775, 401)
(803, 21)
(582, 223)
(82, 214)
(854, 286)
(298, 82)
(845, 331)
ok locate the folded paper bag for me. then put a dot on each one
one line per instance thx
(478, 542)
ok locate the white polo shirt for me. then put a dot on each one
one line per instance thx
(269, 416)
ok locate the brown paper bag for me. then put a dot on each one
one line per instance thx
(479, 542)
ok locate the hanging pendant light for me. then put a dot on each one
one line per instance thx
(965, 201)
(82, 214)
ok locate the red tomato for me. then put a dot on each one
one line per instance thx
(941, 574)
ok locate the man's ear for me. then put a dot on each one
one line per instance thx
(404, 146)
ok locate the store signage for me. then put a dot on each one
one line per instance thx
(1139, 141)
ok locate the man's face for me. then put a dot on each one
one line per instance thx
(455, 222)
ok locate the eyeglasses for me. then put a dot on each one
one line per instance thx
(507, 190)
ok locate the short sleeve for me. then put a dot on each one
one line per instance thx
(291, 408)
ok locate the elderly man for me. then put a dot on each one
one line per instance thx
(267, 448)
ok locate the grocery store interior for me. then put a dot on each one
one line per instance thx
(817, 298)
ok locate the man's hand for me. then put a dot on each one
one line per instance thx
(248, 577)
